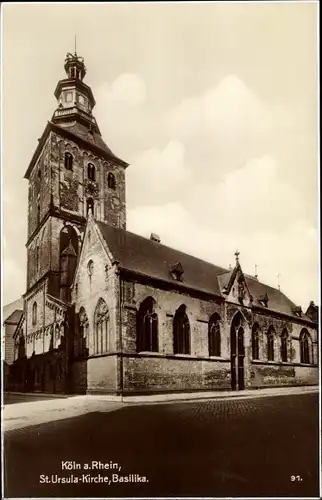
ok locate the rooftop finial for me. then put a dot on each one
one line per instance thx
(256, 275)
(237, 256)
(279, 280)
(75, 45)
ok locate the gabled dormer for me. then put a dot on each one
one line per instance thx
(176, 271)
(236, 290)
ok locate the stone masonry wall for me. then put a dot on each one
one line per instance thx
(88, 289)
(71, 188)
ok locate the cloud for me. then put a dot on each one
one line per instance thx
(158, 175)
(127, 90)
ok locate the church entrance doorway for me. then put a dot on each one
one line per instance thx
(237, 349)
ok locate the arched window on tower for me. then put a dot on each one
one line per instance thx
(111, 181)
(270, 344)
(305, 347)
(91, 172)
(181, 331)
(255, 341)
(214, 337)
(284, 339)
(147, 326)
(68, 161)
(89, 205)
(34, 314)
(101, 322)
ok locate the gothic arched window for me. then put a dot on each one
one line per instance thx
(68, 161)
(270, 344)
(89, 205)
(181, 331)
(255, 341)
(91, 172)
(34, 313)
(147, 326)
(305, 347)
(101, 323)
(284, 338)
(111, 181)
(214, 337)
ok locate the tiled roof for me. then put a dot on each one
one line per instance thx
(14, 317)
(149, 258)
(82, 132)
(11, 307)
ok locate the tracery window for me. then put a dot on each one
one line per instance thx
(101, 323)
(255, 341)
(147, 326)
(181, 331)
(214, 336)
(305, 347)
(284, 338)
(270, 344)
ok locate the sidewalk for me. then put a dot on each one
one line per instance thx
(27, 413)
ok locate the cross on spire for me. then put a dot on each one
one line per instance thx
(237, 256)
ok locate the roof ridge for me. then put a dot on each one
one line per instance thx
(156, 244)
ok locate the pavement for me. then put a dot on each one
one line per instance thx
(22, 410)
(264, 446)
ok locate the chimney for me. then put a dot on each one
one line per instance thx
(155, 237)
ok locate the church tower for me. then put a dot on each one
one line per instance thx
(71, 172)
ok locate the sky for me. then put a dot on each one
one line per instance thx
(214, 105)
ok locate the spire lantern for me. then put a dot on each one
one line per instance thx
(74, 66)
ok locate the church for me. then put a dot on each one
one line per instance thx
(109, 312)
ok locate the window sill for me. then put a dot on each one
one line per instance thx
(148, 353)
(182, 355)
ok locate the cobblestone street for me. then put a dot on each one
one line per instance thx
(246, 447)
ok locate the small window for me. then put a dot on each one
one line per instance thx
(91, 172)
(89, 205)
(90, 268)
(69, 96)
(39, 175)
(34, 314)
(111, 181)
(68, 161)
(37, 259)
